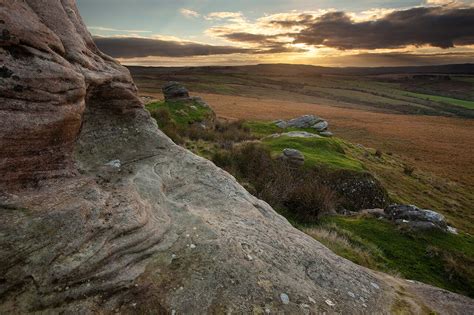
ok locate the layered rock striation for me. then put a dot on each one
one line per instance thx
(100, 212)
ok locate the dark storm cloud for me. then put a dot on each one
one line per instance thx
(248, 37)
(442, 27)
(268, 44)
(131, 47)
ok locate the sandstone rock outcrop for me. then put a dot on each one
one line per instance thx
(162, 231)
(305, 121)
(173, 91)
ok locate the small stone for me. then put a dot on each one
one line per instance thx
(284, 298)
(452, 230)
(173, 256)
(321, 126)
(311, 300)
(329, 302)
(249, 258)
(352, 295)
(192, 246)
(114, 163)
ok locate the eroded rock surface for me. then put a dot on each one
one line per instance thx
(161, 231)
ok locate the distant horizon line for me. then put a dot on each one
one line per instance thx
(302, 64)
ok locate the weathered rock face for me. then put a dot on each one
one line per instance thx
(121, 219)
(358, 190)
(50, 67)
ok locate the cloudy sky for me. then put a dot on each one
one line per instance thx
(318, 32)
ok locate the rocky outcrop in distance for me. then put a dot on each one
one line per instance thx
(100, 212)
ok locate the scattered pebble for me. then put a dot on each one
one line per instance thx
(267, 311)
(187, 235)
(364, 305)
(452, 230)
(249, 258)
(192, 246)
(114, 163)
(173, 312)
(329, 302)
(375, 285)
(173, 256)
(284, 298)
(352, 295)
(311, 300)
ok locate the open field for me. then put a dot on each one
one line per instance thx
(410, 93)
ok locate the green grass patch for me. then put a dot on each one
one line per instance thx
(433, 257)
(265, 128)
(443, 99)
(183, 112)
(317, 151)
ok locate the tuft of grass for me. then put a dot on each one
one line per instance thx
(344, 245)
(433, 257)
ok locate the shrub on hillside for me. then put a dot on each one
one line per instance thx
(408, 170)
(166, 124)
(308, 201)
(282, 186)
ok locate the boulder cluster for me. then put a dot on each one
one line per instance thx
(306, 121)
(413, 218)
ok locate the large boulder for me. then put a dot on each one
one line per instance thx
(305, 121)
(415, 217)
(356, 190)
(292, 156)
(295, 134)
(100, 212)
(175, 91)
